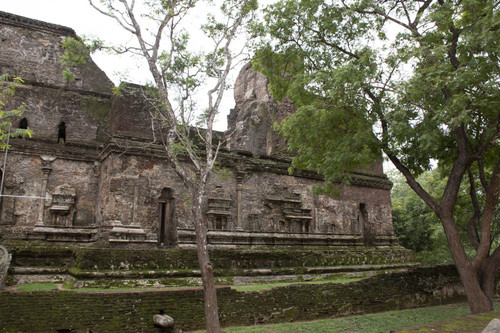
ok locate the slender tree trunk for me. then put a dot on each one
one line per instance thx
(479, 301)
(488, 276)
(207, 271)
(471, 277)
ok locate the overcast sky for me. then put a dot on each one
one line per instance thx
(80, 16)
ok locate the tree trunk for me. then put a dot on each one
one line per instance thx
(479, 301)
(470, 276)
(488, 275)
(207, 271)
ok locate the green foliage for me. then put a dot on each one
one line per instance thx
(418, 80)
(337, 67)
(8, 89)
(76, 52)
(415, 225)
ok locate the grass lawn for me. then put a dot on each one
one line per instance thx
(369, 323)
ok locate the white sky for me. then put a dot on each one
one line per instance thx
(81, 17)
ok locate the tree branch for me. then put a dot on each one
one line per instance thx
(488, 213)
(472, 224)
(122, 24)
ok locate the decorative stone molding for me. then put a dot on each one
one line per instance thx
(219, 209)
(127, 233)
(289, 214)
(62, 208)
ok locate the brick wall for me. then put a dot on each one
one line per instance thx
(133, 311)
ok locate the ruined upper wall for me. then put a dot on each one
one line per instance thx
(131, 113)
(32, 49)
(251, 121)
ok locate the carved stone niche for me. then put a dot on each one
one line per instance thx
(62, 209)
(289, 216)
(219, 209)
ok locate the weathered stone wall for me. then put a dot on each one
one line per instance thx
(131, 114)
(85, 115)
(130, 187)
(250, 123)
(25, 175)
(106, 178)
(227, 262)
(32, 49)
(256, 196)
(59, 162)
(337, 215)
(133, 311)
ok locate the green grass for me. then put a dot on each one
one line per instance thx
(267, 286)
(369, 323)
(37, 286)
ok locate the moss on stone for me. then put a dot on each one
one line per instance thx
(132, 311)
(98, 108)
(10, 280)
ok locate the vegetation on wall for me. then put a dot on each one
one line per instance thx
(48, 311)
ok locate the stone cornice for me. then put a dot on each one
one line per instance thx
(25, 22)
(68, 151)
(235, 160)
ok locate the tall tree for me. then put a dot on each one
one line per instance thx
(418, 80)
(178, 73)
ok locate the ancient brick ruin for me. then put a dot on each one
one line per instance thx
(91, 172)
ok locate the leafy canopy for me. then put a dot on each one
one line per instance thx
(397, 76)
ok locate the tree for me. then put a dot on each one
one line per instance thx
(413, 221)
(8, 88)
(418, 80)
(156, 26)
(415, 225)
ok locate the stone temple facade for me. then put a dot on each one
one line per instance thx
(92, 173)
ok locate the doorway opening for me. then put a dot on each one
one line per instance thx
(167, 230)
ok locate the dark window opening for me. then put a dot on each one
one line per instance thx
(282, 225)
(61, 132)
(23, 124)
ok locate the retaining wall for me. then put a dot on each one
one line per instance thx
(133, 311)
